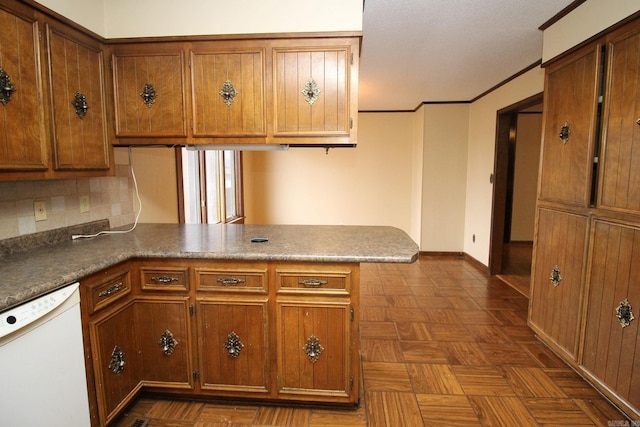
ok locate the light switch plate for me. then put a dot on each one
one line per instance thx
(84, 204)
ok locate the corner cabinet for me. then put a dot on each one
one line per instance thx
(585, 297)
(277, 332)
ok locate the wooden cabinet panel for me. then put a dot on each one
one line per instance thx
(234, 277)
(571, 91)
(312, 279)
(76, 81)
(108, 290)
(314, 342)
(22, 123)
(311, 91)
(611, 351)
(163, 341)
(228, 91)
(620, 176)
(555, 306)
(115, 360)
(234, 345)
(158, 77)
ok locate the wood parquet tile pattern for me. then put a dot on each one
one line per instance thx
(442, 344)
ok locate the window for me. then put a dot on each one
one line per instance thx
(211, 190)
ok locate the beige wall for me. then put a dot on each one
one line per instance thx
(588, 19)
(525, 180)
(155, 171)
(480, 158)
(445, 139)
(369, 185)
(146, 18)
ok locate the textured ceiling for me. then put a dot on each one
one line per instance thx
(416, 51)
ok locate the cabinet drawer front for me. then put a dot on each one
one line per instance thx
(335, 281)
(232, 280)
(111, 289)
(164, 279)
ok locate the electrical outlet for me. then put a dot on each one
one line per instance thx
(84, 204)
(40, 210)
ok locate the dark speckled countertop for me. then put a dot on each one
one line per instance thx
(26, 275)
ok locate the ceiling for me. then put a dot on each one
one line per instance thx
(416, 51)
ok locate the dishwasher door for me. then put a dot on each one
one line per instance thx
(42, 373)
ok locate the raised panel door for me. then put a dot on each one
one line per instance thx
(555, 304)
(149, 92)
(314, 351)
(228, 92)
(76, 82)
(115, 360)
(611, 350)
(570, 103)
(233, 343)
(163, 337)
(22, 123)
(620, 165)
(312, 91)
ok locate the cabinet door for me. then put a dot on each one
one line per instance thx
(228, 92)
(555, 304)
(149, 93)
(22, 128)
(115, 360)
(611, 349)
(312, 91)
(76, 81)
(163, 341)
(620, 165)
(234, 346)
(314, 348)
(570, 103)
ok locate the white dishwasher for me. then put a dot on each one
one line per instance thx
(42, 374)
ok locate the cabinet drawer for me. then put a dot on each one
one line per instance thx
(108, 290)
(316, 279)
(164, 279)
(233, 279)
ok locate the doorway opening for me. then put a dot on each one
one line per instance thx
(518, 137)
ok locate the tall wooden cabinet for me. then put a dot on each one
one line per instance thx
(585, 297)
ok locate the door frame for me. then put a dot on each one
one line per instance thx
(503, 167)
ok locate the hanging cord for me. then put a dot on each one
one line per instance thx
(135, 184)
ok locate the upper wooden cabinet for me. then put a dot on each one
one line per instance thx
(78, 105)
(22, 122)
(569, 129)
(228, 90)
(149, 91)
(295, 91)
(311, 91)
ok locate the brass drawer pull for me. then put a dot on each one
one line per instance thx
(164, 279)
(565, 131)
(116, 364)
(230, 281)
(312, 282)
(555, 277)
(167, 342)
(6, 87)
(313, 348)
(111, 290)
(233, 345)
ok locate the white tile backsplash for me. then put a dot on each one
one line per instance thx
(109, 197)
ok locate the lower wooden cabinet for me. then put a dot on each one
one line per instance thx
(163, 340)
(611, 342)
(278, 332)
(555, 306)
(115, 359)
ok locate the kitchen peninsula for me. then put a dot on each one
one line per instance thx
(266, 312)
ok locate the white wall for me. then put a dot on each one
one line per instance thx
(481, 154)
(445, 139)
(369, 185)
(147, 18)
(587, 20)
